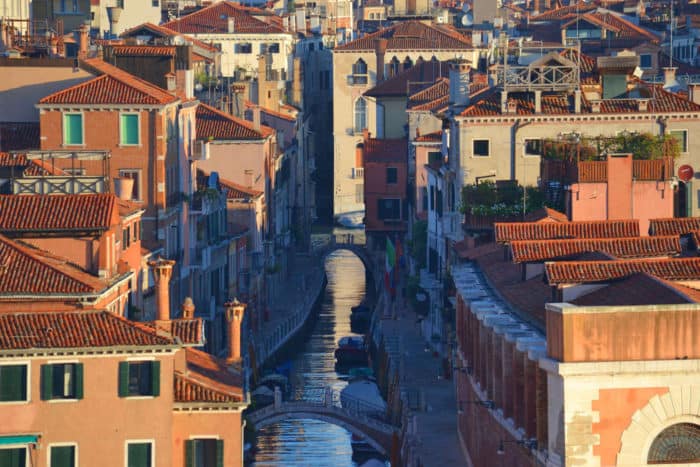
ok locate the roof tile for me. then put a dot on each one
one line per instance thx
(214, 20)
(674, 226)
(214, 124)
(577, 272)
(511, 231)
(385, 150)
(411, 35)
(19, 135)
(636, 289)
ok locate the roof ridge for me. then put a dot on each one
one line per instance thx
(121, 76)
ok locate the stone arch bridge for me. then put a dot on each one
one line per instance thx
(324, 245)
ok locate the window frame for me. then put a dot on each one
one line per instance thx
(28, 382)
(152, 442)
(474, 141)
(685, 139)
(82, 128)
(78, 392)
(138, 129)
(27, 454)
(74, 445)
(395, 172)
(194, 439)
(389, 219)
(651, 61)
(355, 114)
(154, 391)
(525, 152)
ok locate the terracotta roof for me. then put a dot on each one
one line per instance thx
(545, 214)
(188, 331)
(511, 231)
(434, 137)
(214, 20)
(415, 79)
(674, 226)
(74, 329)
(563, 13)
(166, 32)
(25, 270)
(411, 35)
(144, 50)
(576, 272)
(636, 289)
(621, 27)
(19, 135)
(214, 124)
(17, 165)
(207, 379)
(113, 87)
(633, 247)
(236, 191)
(433, 97)
(386, 150)
(56, 213)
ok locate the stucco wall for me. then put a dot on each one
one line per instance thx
(226, 426)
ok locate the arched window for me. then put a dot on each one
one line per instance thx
(359, 72)
(360, 115)
(677, 444)
(408, 63)
(394, 67)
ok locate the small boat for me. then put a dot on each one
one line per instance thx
(351, 349)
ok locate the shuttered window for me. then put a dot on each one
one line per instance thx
(129, 129)
(139, 455)
(16, 457)
(204, 453)
(139, 379)
(62, 456)
(62, 381)
(73, 129)
(13, 383)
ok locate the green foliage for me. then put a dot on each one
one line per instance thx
(643, 146)
(502, 200)
(419, 243)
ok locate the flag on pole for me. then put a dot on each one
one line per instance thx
(389, 266)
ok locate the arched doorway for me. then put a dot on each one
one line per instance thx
(677, 444)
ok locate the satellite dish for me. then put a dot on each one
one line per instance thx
(213, 181)
(467, 19)
(638, 72)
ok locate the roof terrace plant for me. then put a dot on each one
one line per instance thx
(643, 146)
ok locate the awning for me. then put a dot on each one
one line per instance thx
(18, 439)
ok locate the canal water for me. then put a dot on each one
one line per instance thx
(305, 442)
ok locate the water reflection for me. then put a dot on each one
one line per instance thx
(310, 442)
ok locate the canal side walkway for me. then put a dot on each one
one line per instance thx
(430, 436)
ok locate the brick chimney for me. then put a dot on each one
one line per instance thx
(380, 46)
(187, 308)
(162, 272)
(256, 118)
(460, 77)
(234, 316)
(84, 40)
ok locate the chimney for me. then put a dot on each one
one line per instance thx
(256, 118)
(538, 102)
(187, 308)
(643, 104)
(231, 25)
(694, 92)
(577, 101)
(459, 83)
(84, 41)
(380, 50)
(512, 106)
(360, 155)
(670, 82)
(595, 107)
(171, 83)
(620, 186)
(162, 271)
(234, 316)
(113, 13)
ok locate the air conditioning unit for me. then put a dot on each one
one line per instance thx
(200, 150)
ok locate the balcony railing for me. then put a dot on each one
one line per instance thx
(64, 185)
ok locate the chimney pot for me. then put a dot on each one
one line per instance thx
(235, 311)
(162, 272)
(187, 308)
(231, 25)
(256, 118)
(460, 80)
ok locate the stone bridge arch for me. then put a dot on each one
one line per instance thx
(346, 242)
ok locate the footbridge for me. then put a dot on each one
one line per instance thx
(323, 245)
(356, 416)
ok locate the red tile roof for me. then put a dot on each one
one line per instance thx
(113, 87)
(435, 96)
(188, 331)
(563, 13)
(411, 35)
(636, 289)
(434, 137)
(674, 226)
(56, 213)
(214, 20)
(207, 379)
(214, 124)
(25, 270)
(386, 150)
(621, 27)
(19, 135)
(577, 272)
(236, 191)
(511, 231)
(74, 330)
(144, 50)
(290, 113)
(633, 247)
(17, 165)
(415, 79)
(162, 31)
(545, 215)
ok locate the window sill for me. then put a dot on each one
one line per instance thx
(61, 401)
(15, 402)
(139, 145)
(83, 145)
(135, 398)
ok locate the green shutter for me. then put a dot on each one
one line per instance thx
(73, 129)
(219, 453)
(189, 453)
(46, 382)
(63, 456)
(139, 455)
(123, 379)
(155, 374)
(78, 380)
(13, 383)
(129, 129)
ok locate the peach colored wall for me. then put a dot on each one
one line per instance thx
(589, 201)
(652, 200)
(620, 192)
(376, 187)
(101, 422)
(626, 335)
(226, 426)
(81, 251)
(616, 407)
(232, 160)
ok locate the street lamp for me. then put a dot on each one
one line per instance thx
(489, 404)
(530, 444)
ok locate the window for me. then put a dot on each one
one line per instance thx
(394, 67)
(73, 130)
(62, 456)
(389, 209)
(360, 193)
(243, 48)
(645, 61)
(13, 383)
(273, 48)
(139, 379)
(682, 137)
(407, 63)
(392, 175)
(359, 72)
(434, 157)
(424, 198)
(360, 115)
(129, 130)
(155, 3)
(13, 457)
(62, 381)
(135, 175)
(126, 237)
(204, 453)
(263, 48)
(533, 147)
(480, 147)
(139, 454)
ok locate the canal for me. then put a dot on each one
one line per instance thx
(310, 442)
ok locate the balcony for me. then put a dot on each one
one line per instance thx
(63, 185)
(357, 173)
(358, 80)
